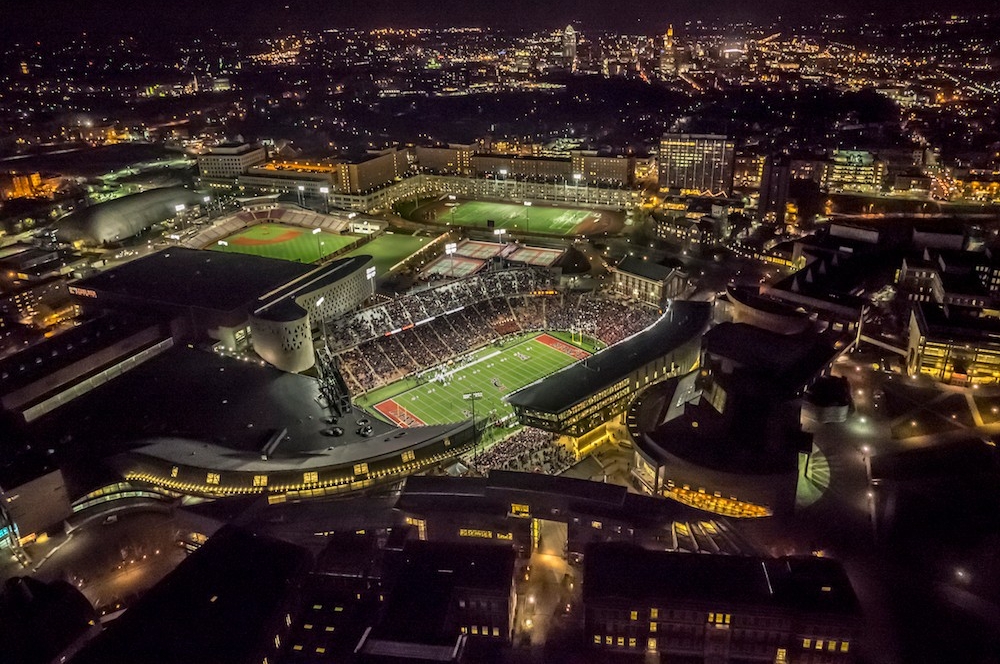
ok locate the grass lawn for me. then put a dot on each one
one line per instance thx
(538, 218)
(496, 371)
(289, 243)
(389, 249)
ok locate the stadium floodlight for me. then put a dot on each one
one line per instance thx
(317, 231)
(320, 301)
(302, 187)
(527, 204)
(352, 215)
(324, 190)
(223, 243)
(577, 176)
(503, 172)
(370, 273)
(450, 248)
(207, 199)
(180, 207)
(451, 197)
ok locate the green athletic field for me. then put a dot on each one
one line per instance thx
(289, 243)
(432, 402)
(389, 249)
(538, 218)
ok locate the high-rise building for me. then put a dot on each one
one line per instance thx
(228, 160)
(668, 57)
(697, 162)
(569, 40)
(774, 189)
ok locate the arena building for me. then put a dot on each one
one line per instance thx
(236, 300)
(727, 438)
(124, 217)
(580, 400)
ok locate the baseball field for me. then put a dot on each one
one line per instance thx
(289, 243)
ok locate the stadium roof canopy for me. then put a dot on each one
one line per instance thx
(679, 324)
(188, 277)
(124, 217)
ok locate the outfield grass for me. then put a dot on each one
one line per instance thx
(289, 243)
(389, 249)
(436, 403)
(538, 218)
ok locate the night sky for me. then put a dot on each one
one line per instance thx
(265, 16)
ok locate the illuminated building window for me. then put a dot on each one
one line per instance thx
(607, 640)
(310, 477)
(634, 615)
(819, 644)
(277, 641)
(260, 480)
(596, 525)
(650, 644)
(807, 643)
(360, 468)
(632, 642)
(408, 456)
(297, 646)
(288, 620)
(832, 646)
(620, 641)
(597, 638)
(173, 471)
(517, 509)
(475, 629)
(496, 631)
(654, 613)
(213, 478)
(320, 650)
(307, 626)
(844, 646)
(328, 628)
(652, 627)
(465, 630)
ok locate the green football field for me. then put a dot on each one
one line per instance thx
(538, 218)
(496, 371)
(289, 243)
(389, 249)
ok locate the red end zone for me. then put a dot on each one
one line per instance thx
(562, 347)
(398, 414)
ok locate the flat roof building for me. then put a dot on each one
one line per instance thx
(719, 608)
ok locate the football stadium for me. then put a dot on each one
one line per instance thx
(436, 396)
(529, 217)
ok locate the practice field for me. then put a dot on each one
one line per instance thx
(496, 371)
(289, 243)
(538, 218)
(391, 248)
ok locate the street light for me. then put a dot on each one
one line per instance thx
(326, 199)
(319, 243)
(449, 249)
(474, 397)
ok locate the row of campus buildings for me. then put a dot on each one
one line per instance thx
(683, 164)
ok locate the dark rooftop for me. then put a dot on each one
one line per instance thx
(218, 606)
(802, 584)
(422, 598)
(682, 322)
(191, 278)
(644, 268)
